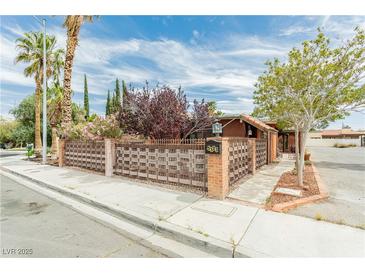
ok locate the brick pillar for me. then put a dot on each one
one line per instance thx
(108, 157)
(61, 152)
(218, 173)
(274, 142)
(252, 156)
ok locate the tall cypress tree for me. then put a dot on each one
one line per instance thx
(107, 108)
(124, 94)
(86, 98)
(117, 95)
(113, 104)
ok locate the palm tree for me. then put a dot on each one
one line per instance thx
(55, 114)
(30, 48)
(54, 102)
(73, 25)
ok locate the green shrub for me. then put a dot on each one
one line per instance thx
(29, 153)
(104, 127)
(98, 129)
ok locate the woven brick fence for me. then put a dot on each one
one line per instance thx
(89, 155)
(261, 152)
(169, 161)
(180, 162)
(238, 159)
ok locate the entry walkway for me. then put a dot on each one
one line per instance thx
(259, 187)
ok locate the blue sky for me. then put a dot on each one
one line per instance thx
(213, 57)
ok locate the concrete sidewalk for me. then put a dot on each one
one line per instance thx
(217, 227)
(258, 188)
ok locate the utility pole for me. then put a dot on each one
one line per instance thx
(44, 128)
(44, 147)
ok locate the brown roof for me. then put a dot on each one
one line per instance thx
(340, 132)
(251, 120)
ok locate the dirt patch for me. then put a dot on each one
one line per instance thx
(36, 208)
(289, 180)
(52, 162)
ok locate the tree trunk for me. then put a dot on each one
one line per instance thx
(37, 124)
(54, 148)
(304, 134)
(72, 39)
(297, 149)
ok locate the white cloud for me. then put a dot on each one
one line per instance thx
(177, 64)
(295, 30)
(342, 27)
(196, 34)
(338, 27)
(9, 76)
(174, 63)
(255, 52)
(227, 69)
(237, 106)
(325, 20)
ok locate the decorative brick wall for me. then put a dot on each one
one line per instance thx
(89, 155)
(261, 152)
(238, 159)
(175, 161)
(182, 162)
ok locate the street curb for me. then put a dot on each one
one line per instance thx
(323, 194)
(205, 243)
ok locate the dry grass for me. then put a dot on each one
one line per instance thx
(318, 217)
(344, 145)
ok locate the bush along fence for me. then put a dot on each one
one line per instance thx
(213, 165)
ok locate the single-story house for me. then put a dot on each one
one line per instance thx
(341, 134)
(243, 125)
(315, 135)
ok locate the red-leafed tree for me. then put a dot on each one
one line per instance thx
(162, 113)
(169, 109)
(200, 118)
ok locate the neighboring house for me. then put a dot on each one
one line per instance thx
(315, 135)
(332, 137)
(341, 134)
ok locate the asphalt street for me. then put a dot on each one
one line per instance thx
(9, 153)
(343, 172)
(33, 225)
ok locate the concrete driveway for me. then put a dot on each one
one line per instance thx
(343, 172)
